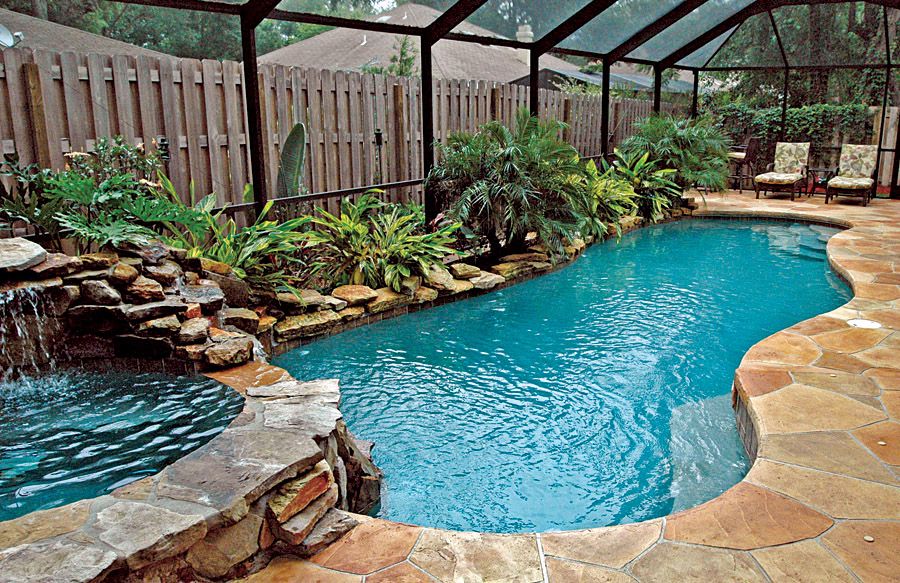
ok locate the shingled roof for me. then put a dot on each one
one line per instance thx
(349, 50)
(52, 36)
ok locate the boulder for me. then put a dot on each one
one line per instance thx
(102, 260)
(512, 270)
(208, 295)
(209, 265)
(166, 273)
(333, 303)
(154, 310)
(219, 335)
(229, 353)
(143, 290)
(266, 323)
(131, 345)
(18, 254)
(464, 271)
(159, 327)
(150, 254)
(409, 285)
(306, 325)
(354, 295)
(386, 299)
(241, 318)
(192, 352)
(335, 524)
(515, 258)
(56, 264)
(236, 291)
(487, 280)
(459, 286)
(122, 274)
(224, 548)
(439, 278)
(352, 313)
(89, 347)
(425, 294)
(193, 330)
(193, 311)
(298, 528)
(98, 319)
(77, 277)
(94, 291)
(294, 495)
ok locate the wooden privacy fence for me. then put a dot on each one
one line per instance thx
(55, 103)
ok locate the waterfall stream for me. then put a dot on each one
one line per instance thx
(27, 333)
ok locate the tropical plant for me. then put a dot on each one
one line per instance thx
(265, 253)
(697, 149)
(653, 185)
(374, 243)
(509, 182)
(604, 202)
(26, 201)
(291, 165)
(402, 62)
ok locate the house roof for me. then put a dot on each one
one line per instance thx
(349, 50)
(623, 79)
(51, 36)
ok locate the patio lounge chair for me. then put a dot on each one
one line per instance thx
(788, 173)
(855, 173)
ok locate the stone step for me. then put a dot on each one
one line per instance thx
(335, 524)
(295, 530)
(293, 496)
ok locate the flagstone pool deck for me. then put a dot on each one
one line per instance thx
(819, 403)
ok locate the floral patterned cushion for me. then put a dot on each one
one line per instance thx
(851, 183)
(791, 158)
(858, 161)
(779, 178)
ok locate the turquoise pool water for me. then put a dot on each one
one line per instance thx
(69, 436)
(592, 396)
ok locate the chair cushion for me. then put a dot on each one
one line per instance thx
(851, 183)
(858, 161)
(779, 178)
(791, 158)
(737, 155)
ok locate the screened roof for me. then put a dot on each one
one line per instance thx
(692, 34)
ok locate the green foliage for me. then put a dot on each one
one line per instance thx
(696, 149)
(653, 185)
(26, 199)
(374, 244)
(291, 166)
(403, 61)
(816, 124)
(512, 182)
(604, 202)
(264, 253)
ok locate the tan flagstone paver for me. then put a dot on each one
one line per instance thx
(846, 383)
(371, 546)
(873, 562)
(850, 340)
(563, 571)
(402, 573)
(830, 451)
(669, 562)
(803, 562)
(800, 408)
(818, 394)
(293, 570)
(746, 517)
(614, 546)
(837, 496)
(883, 439)
(470, 556)
(785, 348)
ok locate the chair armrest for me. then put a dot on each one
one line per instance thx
(770, 166)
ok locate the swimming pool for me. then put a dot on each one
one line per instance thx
(592, 396)
(71, 435)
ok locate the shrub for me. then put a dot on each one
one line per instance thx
(653, 186)
(509, 182)
(26, 199)
(606, 199)
(375, 244)
(696, 149)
